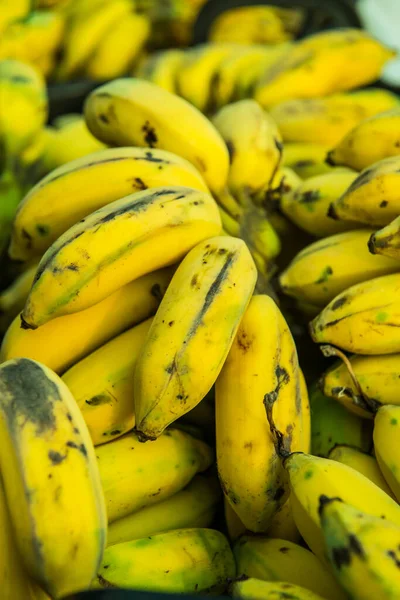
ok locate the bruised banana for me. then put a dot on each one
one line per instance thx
(161, 68)
(373, 197)
(194, 506)
(116, 244)
(363, 550)
(279, 560)
(181, 562)
(51, 479)
(126, 112)
(102, 385)
(62, 342)
(192, 332)
(386, 435)
(283, 182)
(256, 589)
(386, 241)
(322, 270)
(306, 160)
(135, 475)
(90, 183)
(370, 141)
(363, 319)
(262, 361)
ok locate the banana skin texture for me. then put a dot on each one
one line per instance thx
(256, 589)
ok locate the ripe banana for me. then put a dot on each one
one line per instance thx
(262, 361)
(135, 475)
(62, 342)
(363, 550)
(13, 298)
(283, 182)
(233, 524)
(279, 560)
(306, 160)
(323, 270)
(386, 433)
(363, 319)
(248, 25)
(161, 68)
(370, 141)
(261, 238)
(194, 506)
(116, 244)
(283, 525)
(102, 384)
(307, 205)
(386, 241)
(51, 479)
(192, 332)
(12, 11)
(363, 463)
(255, 589)
(181, 562)
(90, 183)
(126, 112)
(372, 197)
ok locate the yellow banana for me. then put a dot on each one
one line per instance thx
(234, 525)
(306, 160)
(323, 270)
(158, 471)
(363, 319)
(279, 560)
(248, 25)
(256, 589)
(363, 550)
(90, 183)
(307, 205)
(51, 479)
(127, 112)
(260, 236)
(283, 525)
(183, 561)
(194, 506)
(192, 332)
(162, 68)
(363, 463)
(102, 385)
(386, 241)
(283, 182)
(373, 196)
(262, 361)
(64, 341)
(386, 433)
(13, 298)
(370, 141)
(12, 11)
(117, 244)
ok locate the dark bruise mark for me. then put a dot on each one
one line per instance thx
(80, 447)
(279, 493)
(231, 150)
(309, 197)
(43, 230)
(171, 368)
(326, 273)
(304, 163)
(156, 292)
(104, 583)
(150, 136)
(27, 237)
(392, 554)
(69, 417)
(171, 323)
(243, 341)
(149, 157)
(339, 303)
(342, 555)
(156, 493)
(55, 457)
(114, 432)
(248, 446)
(72, 267)
(283, 378)
(104, 119)
(97, 400)
(139, 183)
(194, 280)
(284, 550)
(180, 197)
(383, 204)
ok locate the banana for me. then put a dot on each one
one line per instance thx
(370, 141)
(127, 112)
(158, 471)
(306, 160)
(307, 206)
(62, 342)
(372, 198)
(192, 332)
(90, 183)
(13, 298)
(324, 63)
(283, 525)
(254, 144)
(12, 11)
(363, 463)
(279, 560)
(332, 424)
(262, 361)
(161, 68)
(116, 244)
(363, 550)
(323, 270)
(283, 182)
(181, 561)
(260, 236)
(233, 524)
(386, 424)
(119, 48)
(255, 589)
(51, 479)
(386, 241)
(194, 506)
(248, 25)
(363, 319)
(102, 384)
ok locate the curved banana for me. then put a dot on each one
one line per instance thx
(306, 160)
(283, 525)
(162, 68)
(181, 561)
(256, 589)
(283, 182)
(135, 112)
(260, 236)
(386, 241)
(192, 332)
(51, 479)
(194, 506)
(90, 183)
(233, 524)
(62, 342)
(386, 433)
(249, 25)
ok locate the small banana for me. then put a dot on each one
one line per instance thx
(194, 506)
(234, 525)
(256, 589)
(248, 25)
(306, 160)
(260, 236)
(362, 550)
(386, 433)
(386, 241)
(62, 342)
(13, 298)
(192, 332)
(51, 479)
(162, 68)
(181, 561)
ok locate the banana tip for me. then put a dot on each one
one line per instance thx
(324, 501)
(372, 244)
(145, 437)
(26, 325)
(329, 158)
(332, 212)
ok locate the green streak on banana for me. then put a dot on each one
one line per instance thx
(386, 241)
(117, 244)
(194, 506)
(90, 183)
(135, 112)
(51, 479)
(256, 589)
(306, 160)
(260, 236)
(364, 319)
(182, 562)
(161, 68)
(386, 432)
(192, 332)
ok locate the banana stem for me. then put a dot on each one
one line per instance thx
(277, 436)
